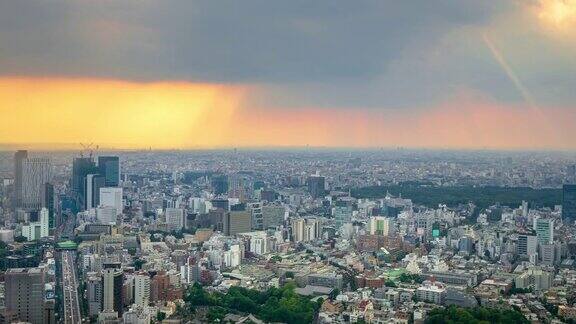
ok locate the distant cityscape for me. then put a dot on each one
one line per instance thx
(291, 236)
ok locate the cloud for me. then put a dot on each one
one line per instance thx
(328, 53)
(222, 41)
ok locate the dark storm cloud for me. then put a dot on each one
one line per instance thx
(363, 53)
(222, 41)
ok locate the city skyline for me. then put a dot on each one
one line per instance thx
(135, 75)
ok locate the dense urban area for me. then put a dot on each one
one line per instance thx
(287, 236)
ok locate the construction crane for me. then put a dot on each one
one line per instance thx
(89, 148)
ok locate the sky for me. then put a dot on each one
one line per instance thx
(169, 74)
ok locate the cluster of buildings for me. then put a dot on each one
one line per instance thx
(141, 229)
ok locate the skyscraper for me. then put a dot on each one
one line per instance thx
(48, 203)
(569, 202)
(93, 184)
(109, 168)
(316, 186)
(342, 214)
(19, 158)
(113, 281)
(36, 172)
(219, 184)
(24, 293)
(544, 230)
(81, 168)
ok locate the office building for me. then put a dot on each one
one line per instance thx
(527, 245)
(112, 197)
(237, 222)
(175, 219)
(94, 290)
(219, 184)
(24, 291)
(36, 172)
(273, 216)
(236, 187)
(37, 229)
(48, 202)
(569, 203)
(255, 209)
(112, 279)
(81, 168)
(306, 229)
(544, 230)
(94, 182)
(378, 225)
(107, 215)
(316, 186)
(142, 289)
(109, 168)
(342, 214)
(19, 158)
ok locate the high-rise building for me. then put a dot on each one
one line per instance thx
(273, 215)
(36, 172)
(306, 229)
(236, 187)
(142, 289)
(48, 202)
(316, 186)
(544, 228)
(94, 293)
(24, 291)
(378, 225)
(255, 209)
(19, 158)
(569, 202)
(94, 182)
(109, 168)
(81, 167)
(112, 197)
(112, 279)
(527, 245)
(219, 184)
(342, 214)
(107, 215)
(175, 218)
(237, 222)
(37, 229)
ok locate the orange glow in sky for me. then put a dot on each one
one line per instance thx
(560, 13)
(117, 114)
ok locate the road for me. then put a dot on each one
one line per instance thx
(72, 313)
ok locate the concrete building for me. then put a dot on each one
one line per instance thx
(37, 230)
(94, 290)
(273, 215)
(431, 292)
(112, 197)
(378, 225)
(544, 230)
(112, 298)
(175, 219)
(142, 289)
(527, 245)
(36, 172)
(237, 222)
(24, 289)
